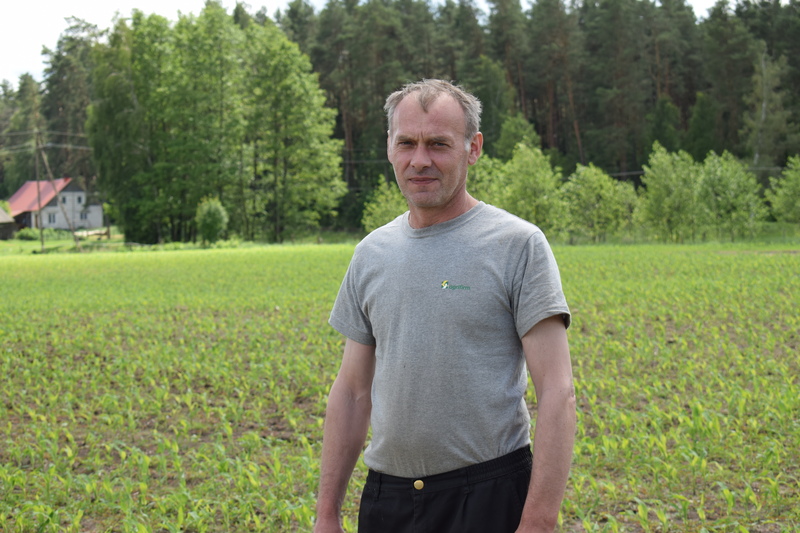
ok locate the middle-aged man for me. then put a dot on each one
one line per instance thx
(441, 309)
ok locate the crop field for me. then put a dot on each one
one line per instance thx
(185, 390)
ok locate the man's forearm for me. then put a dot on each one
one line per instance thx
(346, 424)
(553, 443)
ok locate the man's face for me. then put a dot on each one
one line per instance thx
(428, 152)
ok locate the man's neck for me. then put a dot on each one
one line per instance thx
(420, 217)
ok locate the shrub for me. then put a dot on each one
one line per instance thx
(50, 234)
(529, 187)
(784, 193)
(594, 203)
(729, 197)
(670, 204)
(385, 204)
(28, 234)
(211, 219)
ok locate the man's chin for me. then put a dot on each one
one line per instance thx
(423, 200)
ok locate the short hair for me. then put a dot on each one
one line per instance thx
(428, 91)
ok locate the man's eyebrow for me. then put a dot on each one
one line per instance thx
(445, 139)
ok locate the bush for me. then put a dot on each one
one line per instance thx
(784, 193)
(32, 234)
(670, 204)
(729, 197)
(594, 201)
(384, 205)
(212, 220)
(28, 234)
(528, 186)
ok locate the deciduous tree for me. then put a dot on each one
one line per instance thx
(767, 131)
(729, 197)
(784, 193)
(595, 209)
(670, 202)
(212, 220)
(529, 188)
(384, 205)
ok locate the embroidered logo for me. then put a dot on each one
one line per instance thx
(446, 285)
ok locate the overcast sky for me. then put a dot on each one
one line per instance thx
(28, 25)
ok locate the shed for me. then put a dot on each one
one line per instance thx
(7, 226)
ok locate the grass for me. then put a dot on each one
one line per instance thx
(185, 391)
(687, 375)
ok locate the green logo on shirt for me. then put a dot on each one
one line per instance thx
(446, 285)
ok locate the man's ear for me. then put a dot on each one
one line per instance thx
(475, 147)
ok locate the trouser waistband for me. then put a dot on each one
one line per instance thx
(504, 465)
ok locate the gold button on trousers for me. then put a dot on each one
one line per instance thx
(418, 484)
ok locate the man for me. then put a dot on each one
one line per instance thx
(441, 310)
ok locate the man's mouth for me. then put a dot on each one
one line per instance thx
(421, 180)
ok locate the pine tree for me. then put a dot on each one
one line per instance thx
(728, 55)
(23, 126)
(68, 93)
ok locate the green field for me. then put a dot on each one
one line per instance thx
(185, 390)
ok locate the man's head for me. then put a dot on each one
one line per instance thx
(427, 91)
(432, 141)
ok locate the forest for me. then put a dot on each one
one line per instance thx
(686, 125)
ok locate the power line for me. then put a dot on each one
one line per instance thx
(34, 132)
(21, 148)
(17, 149)
(629, 173)
(71, 146)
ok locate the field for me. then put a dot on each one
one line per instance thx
(185, 391)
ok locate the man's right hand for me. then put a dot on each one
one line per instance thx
(345, 432)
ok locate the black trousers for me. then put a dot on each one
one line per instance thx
(483, 498)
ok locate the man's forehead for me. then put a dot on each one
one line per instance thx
(443, 109)
(428, 102)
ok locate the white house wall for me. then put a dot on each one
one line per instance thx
(82, 216)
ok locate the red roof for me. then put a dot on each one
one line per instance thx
(27, 199)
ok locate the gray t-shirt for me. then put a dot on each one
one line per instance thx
(446, 307)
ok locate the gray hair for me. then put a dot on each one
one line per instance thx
(428, 91)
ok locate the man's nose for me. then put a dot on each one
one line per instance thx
(420, 159)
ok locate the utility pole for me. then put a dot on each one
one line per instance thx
(38, 216)
(40, 149)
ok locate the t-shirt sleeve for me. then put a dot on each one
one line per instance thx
(348, 316)
(537, 285)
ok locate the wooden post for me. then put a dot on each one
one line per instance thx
(40, 148)
(38, 216)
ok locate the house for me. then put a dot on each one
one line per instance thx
(67, 197)
(7, 226)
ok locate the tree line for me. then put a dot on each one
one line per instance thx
(281, 117)
(681, 200)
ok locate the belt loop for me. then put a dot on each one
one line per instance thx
(378, 485)
(467, 485)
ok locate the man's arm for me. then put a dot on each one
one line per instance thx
(547, 354)
(346, 425)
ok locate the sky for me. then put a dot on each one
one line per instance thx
(26, 26)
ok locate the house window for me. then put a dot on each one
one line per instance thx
(80, 199)
(63, 199)
(51, 218)
(84, 215)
